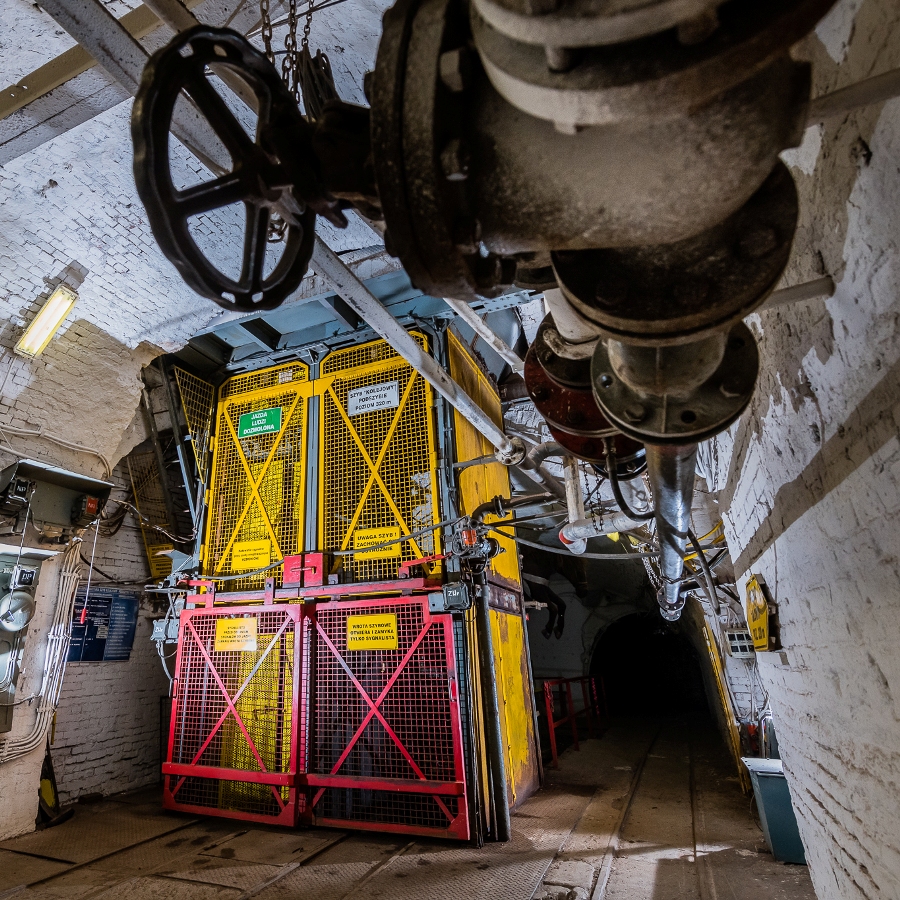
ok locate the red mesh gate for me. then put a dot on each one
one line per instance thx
(233, 740)
(383, 732)
(387, 736)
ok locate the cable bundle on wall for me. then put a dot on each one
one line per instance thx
(54, 659)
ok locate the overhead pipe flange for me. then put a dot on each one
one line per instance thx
(560, 389)
(664, 294)
(578, 23)
(562, 67)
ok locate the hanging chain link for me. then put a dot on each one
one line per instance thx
(265, 16)
(290, 65)
(307, 27)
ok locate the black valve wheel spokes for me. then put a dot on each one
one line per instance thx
(272, 172)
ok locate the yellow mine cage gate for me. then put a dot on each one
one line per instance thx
(328, 669)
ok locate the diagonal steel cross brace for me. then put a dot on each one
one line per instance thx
(231, 701)
(374, 711)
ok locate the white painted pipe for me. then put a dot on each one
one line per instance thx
(544, 451)
(876, 89)
(582, 530)
(574, 501)
(808, 290)
(497, 344)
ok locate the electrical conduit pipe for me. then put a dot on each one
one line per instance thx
(55, 656)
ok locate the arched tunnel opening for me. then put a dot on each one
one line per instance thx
(649, 668)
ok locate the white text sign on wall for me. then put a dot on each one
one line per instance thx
(373, 396)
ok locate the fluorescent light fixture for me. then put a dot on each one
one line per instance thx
(47, 322)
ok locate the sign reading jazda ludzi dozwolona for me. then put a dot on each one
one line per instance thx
(260, 421)
(375, 632)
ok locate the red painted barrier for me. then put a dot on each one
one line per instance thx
(341, 713)
(591, 709)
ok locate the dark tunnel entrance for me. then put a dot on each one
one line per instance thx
(649, 668)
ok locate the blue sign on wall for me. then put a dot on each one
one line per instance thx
(103, 631)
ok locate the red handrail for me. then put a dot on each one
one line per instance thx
(591, 709)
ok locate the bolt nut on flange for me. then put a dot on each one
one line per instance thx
(671, 613)
(514, 454)
(457, 69)
(680, 413)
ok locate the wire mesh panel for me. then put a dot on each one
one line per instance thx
(151, 504)
(198, 398)
(378, 459)
(259, 474)
(234, 747)
(387, 749)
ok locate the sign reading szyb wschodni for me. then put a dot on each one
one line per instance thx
(260, 421)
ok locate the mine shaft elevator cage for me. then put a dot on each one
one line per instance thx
(319, 681)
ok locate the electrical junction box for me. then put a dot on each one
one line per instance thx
(55, 501)
(19, 574)
(740, 643)
(453, 598)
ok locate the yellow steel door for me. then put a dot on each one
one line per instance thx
(378, 459)
(478, 484)
(256, 498)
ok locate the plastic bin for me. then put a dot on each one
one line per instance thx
(776, 813)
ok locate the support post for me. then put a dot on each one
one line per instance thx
(572, 719)
(551, 726)
(493, 731)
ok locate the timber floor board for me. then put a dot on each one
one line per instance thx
(651, 811)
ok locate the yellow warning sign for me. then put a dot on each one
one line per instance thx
(236, 634)
(372, 632)
(372, 537)
(248, 555)
(758, 613)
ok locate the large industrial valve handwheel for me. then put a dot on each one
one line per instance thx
(272, 171)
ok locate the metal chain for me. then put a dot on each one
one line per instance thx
(307, 27)
(290, 65)
(265, 16)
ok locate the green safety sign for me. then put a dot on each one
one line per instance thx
(262, 421)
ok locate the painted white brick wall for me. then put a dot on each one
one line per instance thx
(810, 477)
(107, 725)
